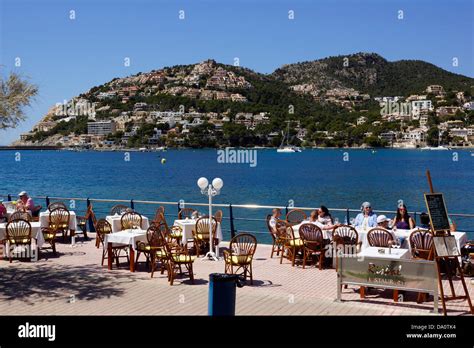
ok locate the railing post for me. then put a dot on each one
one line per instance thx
(179, 207)
(286, 211)
(9, 197)
(348, 218)
(132, 205)
(91, 223)
(414, 217)
(231, 217)
(47, 201)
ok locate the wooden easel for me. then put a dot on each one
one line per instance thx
(451, 262)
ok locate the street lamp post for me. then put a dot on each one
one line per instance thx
(211, 190)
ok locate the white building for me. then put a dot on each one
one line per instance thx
(100, 128)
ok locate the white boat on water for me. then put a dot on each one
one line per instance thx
(287, 148)
(435, 148)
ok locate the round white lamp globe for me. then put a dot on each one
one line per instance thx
(202, 183)
(217, 183)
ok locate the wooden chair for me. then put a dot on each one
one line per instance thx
(379, 237)
(421, 245)
(240, 255)
(186, 213)
(159, 214)
(119, 209)
(20, 215)
(277, 242)
(177, 256)
(103, 228)
(201, 232)
(295, 216)
(18, 233)
(131, 220)
(218, 215)
(313, 243)
(56, 205)
(83, 220)
(49, 236)
(153, 249)
(346, 238)
(290, 244)
(59, 221)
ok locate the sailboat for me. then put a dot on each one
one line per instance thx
(287, 148)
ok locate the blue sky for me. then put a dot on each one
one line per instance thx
(65, 57)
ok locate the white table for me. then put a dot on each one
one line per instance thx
(385, 253)
(126, 237)
(327, 234)
(35, 233)
(116, 222)
(461, 237)
(44, 221)
(188, 226)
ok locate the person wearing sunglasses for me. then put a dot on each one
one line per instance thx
(402, 220)
(366, 218)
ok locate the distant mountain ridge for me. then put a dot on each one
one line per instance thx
(370, 73)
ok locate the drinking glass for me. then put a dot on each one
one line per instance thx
(336, 221)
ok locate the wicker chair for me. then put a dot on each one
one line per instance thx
(313, 243)
(347, 238)
(82, 221)
(186, 213)
(56, 205)
(18, 233)
(103, 228)
(240, 255)
(131, 220)
(176, 257)
(20, 215)
(59, 221)
(277, 242)
(421, 245)
(119, 209)
(295, 216)
(153, 249)
(201, 232)
(290, 244)
(49, 236)
(379, 237)
(218, 215)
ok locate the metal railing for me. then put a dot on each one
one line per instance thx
(230, 218)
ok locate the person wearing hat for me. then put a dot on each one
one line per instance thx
(366, 218)
(26, 203)
(382, 221)
(3, 212)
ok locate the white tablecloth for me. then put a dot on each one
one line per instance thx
(189, 225)
(10, 211)
(35, 233)
(44, 220)
(393, 253)
(461, 237)
(116, 222)
(126, 237)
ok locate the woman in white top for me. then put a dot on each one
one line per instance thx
(325, 219)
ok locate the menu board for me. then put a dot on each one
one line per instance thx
(446, 246)
(437, 211)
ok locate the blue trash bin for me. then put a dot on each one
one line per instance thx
(222, 292)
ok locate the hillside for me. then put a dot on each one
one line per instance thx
(370, 73)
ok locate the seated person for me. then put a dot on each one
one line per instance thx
(452, 225)
(3, 212)
(402, 220)
(366, 218)
(313, 217)
(425, 221)
(325, 220)
(26, 204)
(276, 213)
(382, 221)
